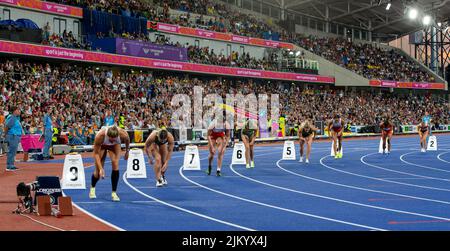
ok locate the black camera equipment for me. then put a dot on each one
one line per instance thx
(25, 197)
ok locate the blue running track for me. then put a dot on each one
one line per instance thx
(363, 191)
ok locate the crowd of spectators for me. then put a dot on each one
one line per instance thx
(220, 17)
(206, 55)
(368, 60)
(66, 39)
(81, 97)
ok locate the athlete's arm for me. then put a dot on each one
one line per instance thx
(329, 128)
(315, 128)
(227, 135)
(252, 140)
(208, 135)
(170, 144)
(227, 132)
(97, 158)
(126, 140)
(148, 143)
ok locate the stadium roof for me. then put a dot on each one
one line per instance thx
(370, 14)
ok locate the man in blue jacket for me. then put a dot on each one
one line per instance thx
(48, 134)
(13, 136)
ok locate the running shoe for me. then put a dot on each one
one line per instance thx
(114, 196)
(159, 183)
(92, 193)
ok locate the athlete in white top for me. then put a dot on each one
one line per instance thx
(108, 139)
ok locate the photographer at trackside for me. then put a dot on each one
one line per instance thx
(14, 133)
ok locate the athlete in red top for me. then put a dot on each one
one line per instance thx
(335, 129)
(218, 136)
(387, 129)
(423, 130)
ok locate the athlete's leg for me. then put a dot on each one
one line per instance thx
(308, 147)
(96, 175)
(302, 145)
(335, 143)
(251, 145)
(163, 152)
(212, 151)
(114, 154)
(154, 149)
(339, 137)
(247, 149)
(389, 140)
(424, 139)
(221, 150)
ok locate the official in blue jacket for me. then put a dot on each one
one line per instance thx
(13, 136)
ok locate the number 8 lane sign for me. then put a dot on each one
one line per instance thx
(136, 167)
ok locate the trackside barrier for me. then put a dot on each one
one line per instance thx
(260, 140)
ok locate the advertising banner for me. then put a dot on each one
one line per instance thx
(150, 50)
(106, 58)
(46, 7)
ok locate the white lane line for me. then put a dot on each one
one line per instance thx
(361, 188)
(336, 199)
(406, 178)
(276, 207)
(395, 171)
(183, 209)
(94, 216)
(422, 166)
(94, 202)
(443, 160)
(378, 179)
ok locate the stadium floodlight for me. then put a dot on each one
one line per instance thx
(412, 13)
(426, 20)
(291, 53)
(297, 53)
(388, 6)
